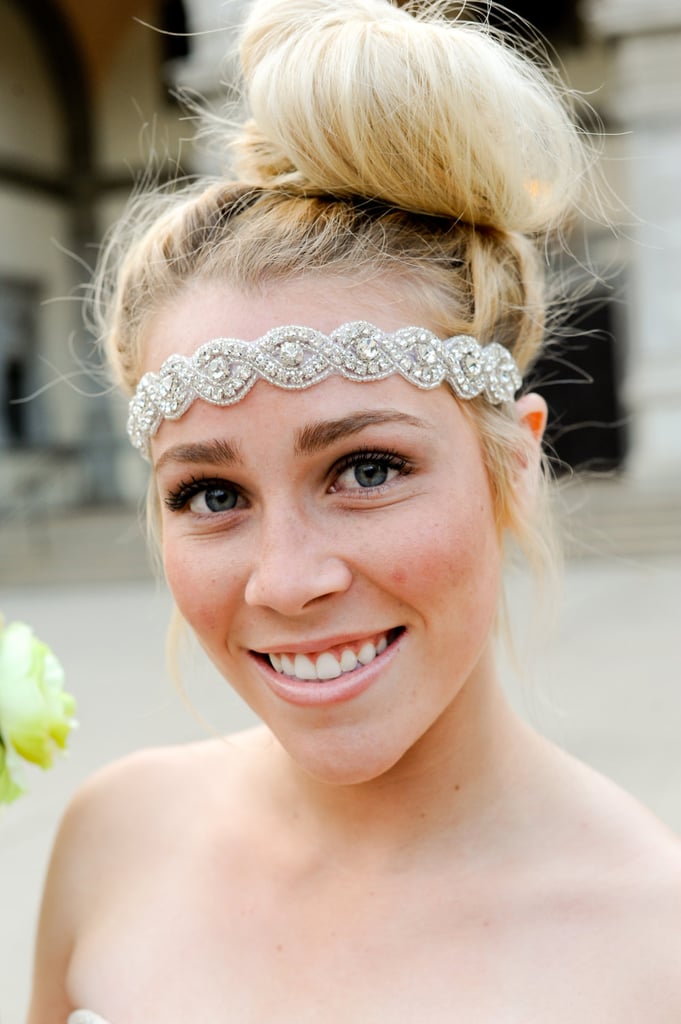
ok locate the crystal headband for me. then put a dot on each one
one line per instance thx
(224, 370)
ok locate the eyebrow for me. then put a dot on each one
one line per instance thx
(317, 436)
(310, 439)
(217, 453)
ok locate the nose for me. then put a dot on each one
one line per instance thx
(294, 566)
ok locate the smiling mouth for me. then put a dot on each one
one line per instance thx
(331, 664)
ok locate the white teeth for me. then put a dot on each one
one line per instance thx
(366, 653)
(326, 665)
(348, 660)
(304, 667)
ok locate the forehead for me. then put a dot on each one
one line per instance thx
(274, 417)
(212, 309)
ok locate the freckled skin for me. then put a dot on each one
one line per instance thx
(399, 565)
(438, 583)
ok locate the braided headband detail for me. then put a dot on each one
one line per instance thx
(224, 370)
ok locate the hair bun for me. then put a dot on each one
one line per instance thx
(358, 97)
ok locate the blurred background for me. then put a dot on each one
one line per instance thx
(87, 95)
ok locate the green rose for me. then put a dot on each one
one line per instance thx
(36, 714)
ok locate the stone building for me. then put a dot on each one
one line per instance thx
(85, 91)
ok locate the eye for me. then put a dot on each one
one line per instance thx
(369, 474)
(365, 470)
(203, 497)
(214, 499)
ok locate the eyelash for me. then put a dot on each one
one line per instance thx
(180, 497)
(387, 458)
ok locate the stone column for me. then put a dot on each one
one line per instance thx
(644, 102)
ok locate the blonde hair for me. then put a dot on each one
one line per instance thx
(379, 139)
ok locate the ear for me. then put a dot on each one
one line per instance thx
(532, 413)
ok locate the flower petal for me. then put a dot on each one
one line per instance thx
(36, 714)
(9, 787)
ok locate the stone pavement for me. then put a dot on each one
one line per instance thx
(606, 684)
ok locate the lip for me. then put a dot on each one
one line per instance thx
(317, 693)
(324, 644)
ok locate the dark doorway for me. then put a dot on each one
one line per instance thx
(580, 376)
(19, 300)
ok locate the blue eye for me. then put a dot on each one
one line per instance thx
(371, 474)
(367, 470)
(215, 499)
(204, 497)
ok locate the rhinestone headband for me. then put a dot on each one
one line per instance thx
(224, 370)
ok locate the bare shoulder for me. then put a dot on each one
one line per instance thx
(628, 830)
(649, 867)
(613, 833)
(118, 827)
(149, 792)
(129, 811)
(622, 867)
(645, 901)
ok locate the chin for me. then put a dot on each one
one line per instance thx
(343, 761)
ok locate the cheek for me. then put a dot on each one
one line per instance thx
(194, 584)
(398, 577)
(451, 560)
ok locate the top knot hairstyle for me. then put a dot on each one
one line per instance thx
(377, 140)
(357, 97)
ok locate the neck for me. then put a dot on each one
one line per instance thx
(447, 789)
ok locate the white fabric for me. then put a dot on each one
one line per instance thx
(85, 1017)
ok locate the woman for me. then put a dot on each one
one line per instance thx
(324, 357)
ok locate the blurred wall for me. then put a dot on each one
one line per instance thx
(83, 99)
